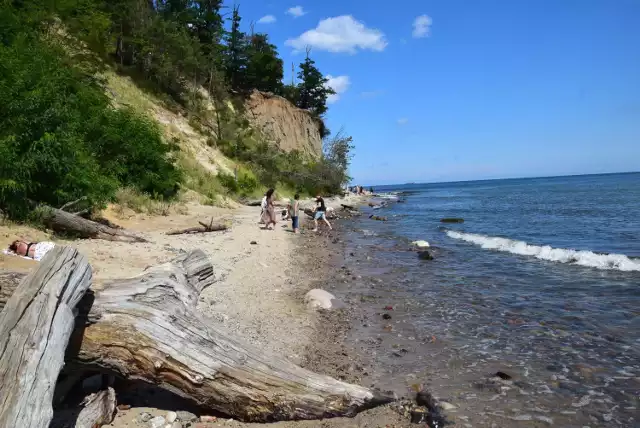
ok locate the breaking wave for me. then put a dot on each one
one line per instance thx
(560, 255)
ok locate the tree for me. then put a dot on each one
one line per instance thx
(235, 60)
(312, 89)
(264, 69)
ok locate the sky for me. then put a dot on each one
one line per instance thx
(448, 90)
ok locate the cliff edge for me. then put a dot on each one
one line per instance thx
(284, 124)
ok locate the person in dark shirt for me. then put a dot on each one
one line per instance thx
(321, 213)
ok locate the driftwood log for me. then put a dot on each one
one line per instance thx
(35, 326)
(203, 228)
(146, 328)
(62, 221)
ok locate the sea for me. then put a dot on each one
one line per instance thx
(528, 314)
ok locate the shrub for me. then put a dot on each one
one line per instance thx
(61, 140)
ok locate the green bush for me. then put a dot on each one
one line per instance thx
(59, 137)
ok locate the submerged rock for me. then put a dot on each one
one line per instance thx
(452, 220)
(425, 255)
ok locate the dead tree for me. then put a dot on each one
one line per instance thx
(147, 328)
(35, 326)
(62, 221)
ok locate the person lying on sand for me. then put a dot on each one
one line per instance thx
(33, 250)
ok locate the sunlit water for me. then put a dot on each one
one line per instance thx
(541, 281)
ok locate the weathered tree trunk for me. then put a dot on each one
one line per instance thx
(62, 221)
(35, 326)
(147, 328)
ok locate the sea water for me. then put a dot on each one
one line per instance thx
(541, 281)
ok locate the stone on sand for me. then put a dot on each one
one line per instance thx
(321, 299)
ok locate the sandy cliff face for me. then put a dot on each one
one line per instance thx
(283, 123)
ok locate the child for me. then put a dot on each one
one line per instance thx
(294, 207)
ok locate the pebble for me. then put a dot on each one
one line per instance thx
(171, 417)
(157, 422)
(447, 406)
(208, 419)
(175, 425)
(144, 417)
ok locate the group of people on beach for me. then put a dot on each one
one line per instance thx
(268, 214)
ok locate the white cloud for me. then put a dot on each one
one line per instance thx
(421, 26)
(267, 19)
(296, 11)
(339, 84)
(340, 34)
(403, 121)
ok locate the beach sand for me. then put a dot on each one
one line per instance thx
(259, 288)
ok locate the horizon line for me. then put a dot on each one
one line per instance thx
(503, 178)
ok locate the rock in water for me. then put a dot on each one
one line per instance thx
(420, 244)
(320, 299)
(452, 220)
(425, 255)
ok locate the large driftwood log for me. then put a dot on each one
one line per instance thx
(62, 221)
(35, 326)
(147, 328)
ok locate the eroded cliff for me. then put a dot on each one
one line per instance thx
(284, 124)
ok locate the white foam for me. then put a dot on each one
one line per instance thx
(560, 255)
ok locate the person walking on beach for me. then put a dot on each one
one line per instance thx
(269, 212)
(321, 213)
(294, 208)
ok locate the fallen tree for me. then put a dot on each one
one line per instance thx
(35, 326)
(62, 221)
(147, 328)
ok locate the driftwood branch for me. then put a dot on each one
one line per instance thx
(73, 203)
(35, 326)
(147, 328)
(62, 221)
(99, 409)
(96, 410)
(203, 229)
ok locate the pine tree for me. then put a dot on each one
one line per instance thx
(312, 89)
(264, 67)
(236, 53)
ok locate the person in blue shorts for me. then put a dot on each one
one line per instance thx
(294, 209)
(321, 213)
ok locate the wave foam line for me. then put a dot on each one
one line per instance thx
(560, 255)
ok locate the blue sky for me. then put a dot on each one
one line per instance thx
(458, 90)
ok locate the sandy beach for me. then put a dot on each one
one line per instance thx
(261, 278)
